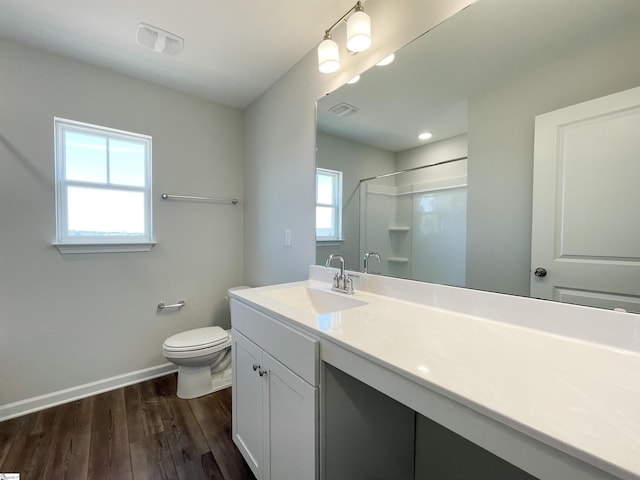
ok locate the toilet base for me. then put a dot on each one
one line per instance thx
(195, 382)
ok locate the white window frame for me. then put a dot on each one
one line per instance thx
(66, 243)
(336, 204)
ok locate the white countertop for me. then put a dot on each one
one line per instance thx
(573, 394)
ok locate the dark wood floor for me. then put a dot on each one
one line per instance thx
(141, 431)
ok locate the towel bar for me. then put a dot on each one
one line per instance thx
(230, 201)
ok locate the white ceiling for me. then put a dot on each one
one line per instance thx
(234, 50)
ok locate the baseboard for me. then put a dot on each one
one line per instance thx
(30, 405)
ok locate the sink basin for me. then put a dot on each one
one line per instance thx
(317, 301)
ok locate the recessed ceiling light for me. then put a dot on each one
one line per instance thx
(354, 80)
(386, 60)
(425, 135)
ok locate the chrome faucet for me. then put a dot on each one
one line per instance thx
(365, 260)
(342, 282)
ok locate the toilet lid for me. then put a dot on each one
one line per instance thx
(196, 339)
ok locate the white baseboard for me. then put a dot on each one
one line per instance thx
(30, 405)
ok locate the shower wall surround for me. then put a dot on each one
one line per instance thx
(418, 228)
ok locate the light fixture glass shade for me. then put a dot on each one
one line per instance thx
(328, 56)
(358, 32)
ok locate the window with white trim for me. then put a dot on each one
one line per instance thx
(328, 205)
(103, 189)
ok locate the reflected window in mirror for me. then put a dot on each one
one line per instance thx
(328, 205)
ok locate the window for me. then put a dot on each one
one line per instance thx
(103, 189)
(328, 205)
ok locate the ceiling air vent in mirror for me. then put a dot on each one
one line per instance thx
(158, 40)
(343, 110)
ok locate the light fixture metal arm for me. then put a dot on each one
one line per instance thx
(356, 8)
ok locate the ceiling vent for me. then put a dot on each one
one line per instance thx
(158, 40)
(343, 110)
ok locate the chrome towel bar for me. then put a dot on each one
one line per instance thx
(229, 201)
(180, 304)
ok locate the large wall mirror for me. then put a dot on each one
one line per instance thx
(502, 86)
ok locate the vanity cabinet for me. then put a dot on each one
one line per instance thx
(275, 396)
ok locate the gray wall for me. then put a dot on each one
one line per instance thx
(67, 320)
(356, 161)
(280, 142)
(501, 134)
(367, 435)
(447, 149)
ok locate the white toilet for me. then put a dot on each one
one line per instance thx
(203, 356)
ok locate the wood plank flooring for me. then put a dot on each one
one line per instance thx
(142, 431)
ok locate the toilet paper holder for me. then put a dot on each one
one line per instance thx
(180, 304)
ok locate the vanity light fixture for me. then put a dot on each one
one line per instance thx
(358, 38)
(358, 30)
(425, 135)
(328, 55)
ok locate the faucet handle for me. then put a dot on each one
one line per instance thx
(348, 284)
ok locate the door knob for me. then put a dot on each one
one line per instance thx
(540, 272)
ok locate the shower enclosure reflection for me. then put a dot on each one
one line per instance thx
(413, 214)
(416, 220)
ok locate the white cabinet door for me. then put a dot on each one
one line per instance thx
(247, 398)
(274, 416)
(291, 414)
(585, 195)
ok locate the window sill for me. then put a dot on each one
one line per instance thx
(330, 243)
(66, 248)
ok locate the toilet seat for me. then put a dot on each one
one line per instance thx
(197, 340)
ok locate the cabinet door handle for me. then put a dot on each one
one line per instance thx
(255, 367)
(262, 372)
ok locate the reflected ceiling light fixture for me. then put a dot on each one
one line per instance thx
(425, 135)
(386, 60)
(353, 80)
(358, 38)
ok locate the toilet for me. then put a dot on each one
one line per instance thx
(203, 357)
